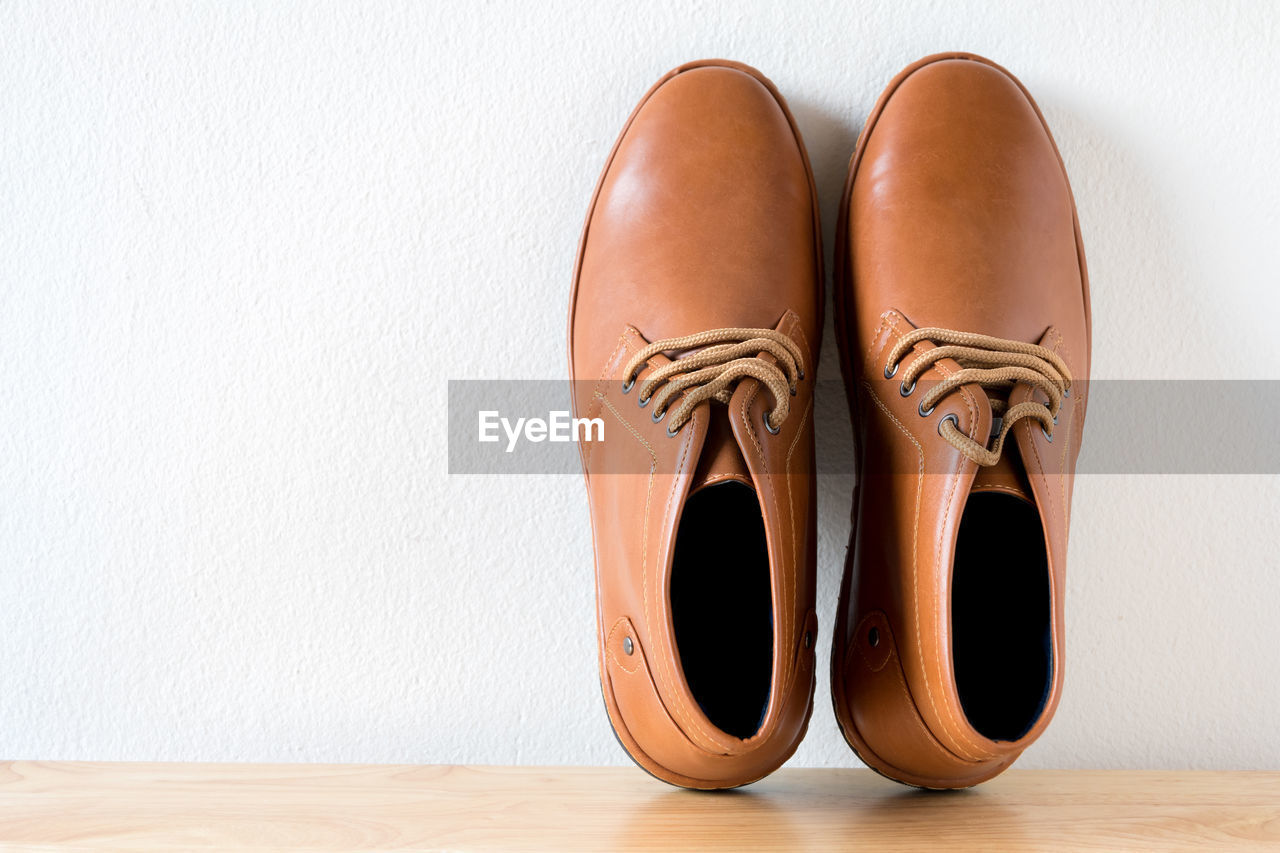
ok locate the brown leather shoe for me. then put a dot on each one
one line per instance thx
(694, 331)
(962, 307)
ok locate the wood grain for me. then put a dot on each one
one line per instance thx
(55, 806)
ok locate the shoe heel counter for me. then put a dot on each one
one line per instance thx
(884, 715)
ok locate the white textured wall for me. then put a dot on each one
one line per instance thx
(243, 247)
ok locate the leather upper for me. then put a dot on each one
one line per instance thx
(704, 218)
(957, 215)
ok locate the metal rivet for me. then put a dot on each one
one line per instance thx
(808, 639)
(873, 637)
(627, 646)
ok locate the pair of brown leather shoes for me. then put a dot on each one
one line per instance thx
(962, 313)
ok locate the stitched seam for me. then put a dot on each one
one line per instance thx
(900, 679)
(610, 367)
(915, 583)
(714, 478)
(857, 646)
(961, 735)
(798, 330)
(791, 510)
(915, 532)
(1066, 445)
(677, 696)
(644, 553)
(744, 414)
(608, 644)
(884, 319)
(789, 662)
(1008, 489)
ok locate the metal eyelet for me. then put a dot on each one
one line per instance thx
(905, 391)
(672, 433)
(889, 374)
(954, 420)
(772, 431)
(1066, 392)
(800, 373)
(1048, 436)
(924, 413)
(642, 402)
(627, 386)
(657, 416)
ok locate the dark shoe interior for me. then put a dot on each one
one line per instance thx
(722, 606)
(1000, 615)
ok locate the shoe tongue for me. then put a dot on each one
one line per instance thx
(721, 459)
(1008, 476)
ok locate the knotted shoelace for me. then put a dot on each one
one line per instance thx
(713, 362)
(993, 363)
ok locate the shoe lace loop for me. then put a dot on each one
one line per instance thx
(710, 364)
(993, 363)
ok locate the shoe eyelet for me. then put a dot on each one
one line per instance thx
(924, 413)
(1066, 392)
(800, 373)
(671, 433)
(657, 416)
(772, 431)
(1048, 436)
(905, 391)
(873, 637)
(628, 385)
(952, 418)
(642, 402)
(889, 374)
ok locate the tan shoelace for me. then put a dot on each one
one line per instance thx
(992, 363)
(712, 363)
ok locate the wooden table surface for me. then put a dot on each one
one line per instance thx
(54, 806)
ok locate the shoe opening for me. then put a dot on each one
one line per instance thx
(722, 606)
(1001, 616)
